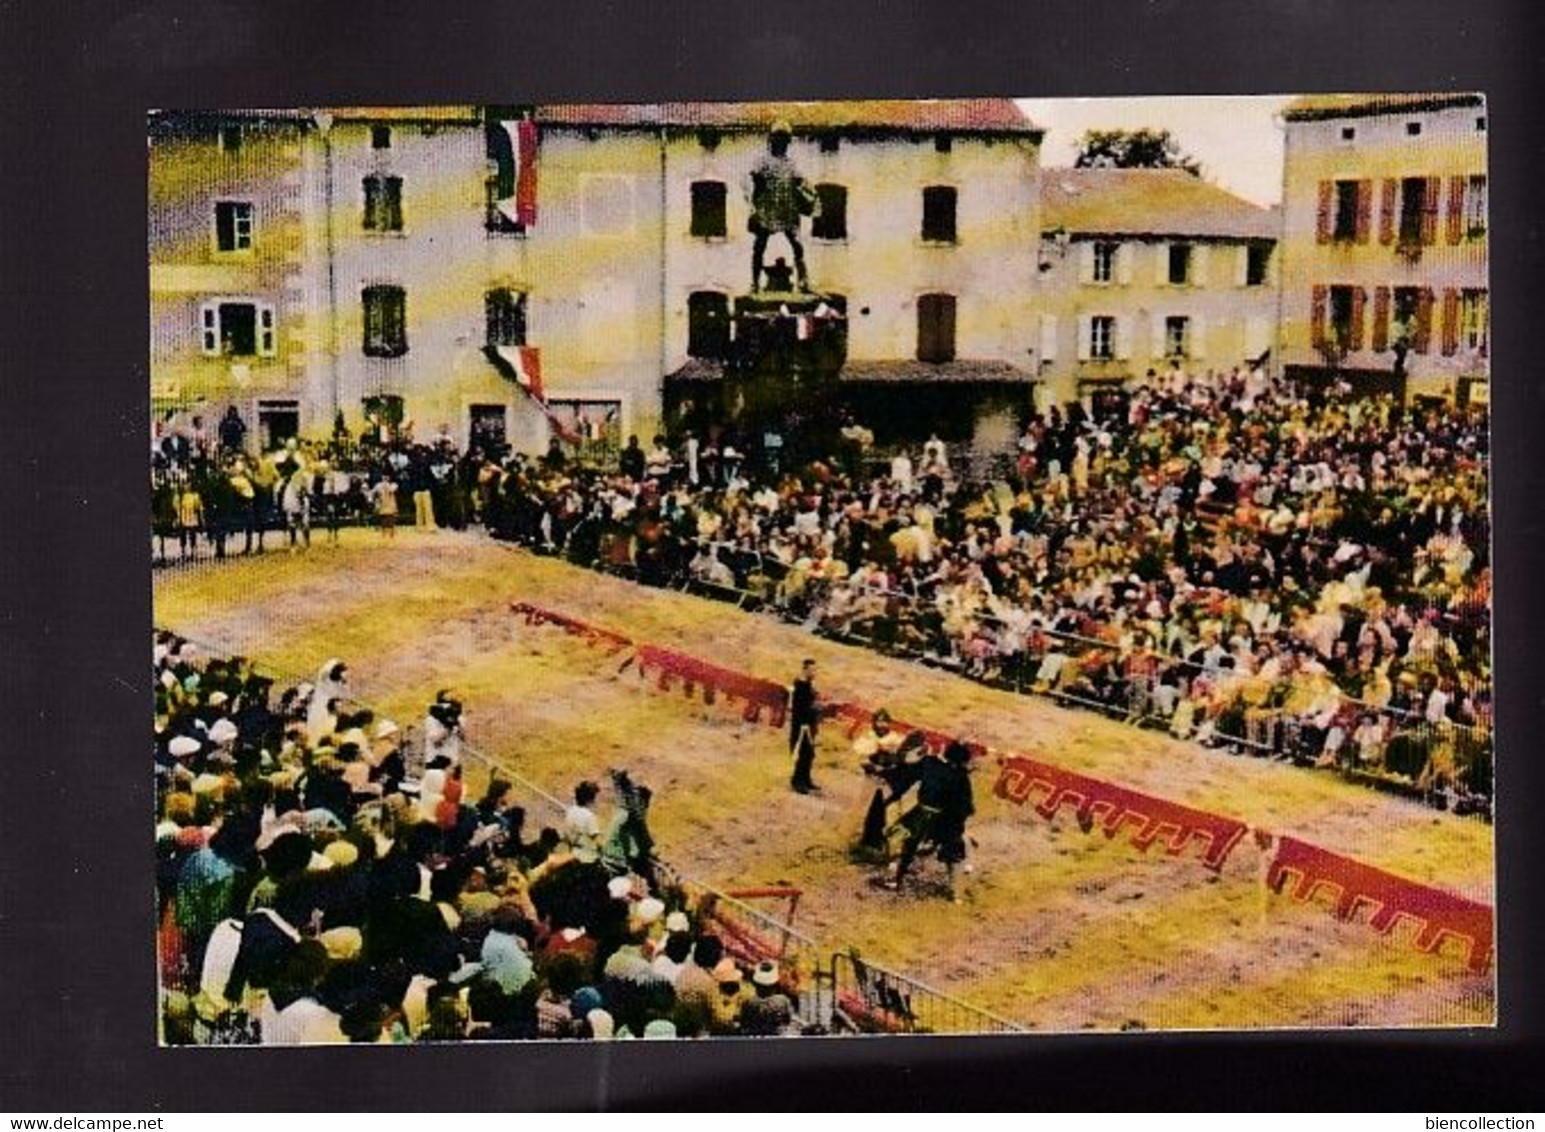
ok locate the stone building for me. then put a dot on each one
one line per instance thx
(1144, 269)
(1384, 244)
(570, 269)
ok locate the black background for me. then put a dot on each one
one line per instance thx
(77, 988)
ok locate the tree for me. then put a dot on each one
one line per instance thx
(1133, 149)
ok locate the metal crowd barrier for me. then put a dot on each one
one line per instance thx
(835, 992)
(1260, 731)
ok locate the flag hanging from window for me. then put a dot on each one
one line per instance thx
(516, 156)
(526, 362)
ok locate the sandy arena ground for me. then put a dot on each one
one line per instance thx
(1055, 929)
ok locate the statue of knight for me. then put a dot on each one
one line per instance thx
(779, 196)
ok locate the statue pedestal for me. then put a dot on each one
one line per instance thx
(788, 350)
(801, 338)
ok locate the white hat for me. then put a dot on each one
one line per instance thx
(385, 729)
(224, 731)
(218, 699)
(183, 746)
(620, 887)
(602, 1025)
(650, 910)
(766, 974)
(677, 922)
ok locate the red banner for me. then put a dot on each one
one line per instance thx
(1115, 807)
(757, 695)
(592, 634)
(525, 172)
(1387, 897)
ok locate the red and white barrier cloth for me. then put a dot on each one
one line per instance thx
(1297, 867)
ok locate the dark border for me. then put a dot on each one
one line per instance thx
(74, 594)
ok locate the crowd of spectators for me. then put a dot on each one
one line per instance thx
(317, 884)
(1296, 576)
(211, 490)
(1231, 557)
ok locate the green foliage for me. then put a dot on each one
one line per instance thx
(1133, 149)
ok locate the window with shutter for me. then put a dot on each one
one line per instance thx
(939, 203)
(1380, 319)
(1177, 337)
(1413, 211)
(709, 220)
(1475, 209)
(1432, 201)
(1364, 211)
(831, 218)
(1450, 329)
(1322, 217)
(1102, 337)
(1474, 320)
(1456, 209)
(1406, 304)
(1423, 320)
(936, 328)
(1347, 198)
(1341, 315)
(1104, 268)
(238, 330)
(1354, 336)
(708, 324)
(1318, 300)
(1179, 264)
(1389, 203)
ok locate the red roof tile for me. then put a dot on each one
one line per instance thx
(960, 115)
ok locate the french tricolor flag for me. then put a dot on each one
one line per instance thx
(517, 179)
(526, 361)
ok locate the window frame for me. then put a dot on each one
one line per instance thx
(1477, 198)
(380, 137)
(1177, 337)
(1185, 250)
(1348, 202)
(719, 347)
(238, 248)
(211, 328)
(1339, 333)
(389, 188)
(932, 236)
(1257, 255)
(1474, 319)
(1410, 222)
(516, 320)
(823, 218)
(384, 348)
(702, 210)
(1107, 251)
(938, 302)
(1102, 338)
